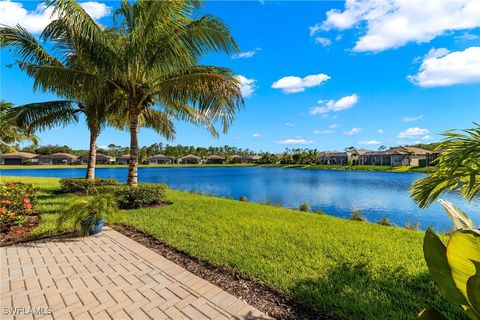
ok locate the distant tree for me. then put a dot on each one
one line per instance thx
(382, 148)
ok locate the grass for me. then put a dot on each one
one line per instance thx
(339, 267)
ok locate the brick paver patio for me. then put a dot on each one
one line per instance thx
(108, 276)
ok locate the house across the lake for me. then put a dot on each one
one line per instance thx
(334, 158)
(16, 158)
(190, 159)
(161, 159)
(398, 156)
(241, 159)
(56, 158)
(214, 159)
(101, 159)
(125, 159)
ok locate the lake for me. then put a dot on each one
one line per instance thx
(375, 194)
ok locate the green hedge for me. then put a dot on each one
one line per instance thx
(144, 195)
(81, 185)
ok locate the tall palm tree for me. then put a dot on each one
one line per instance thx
(151, 61)
(10, 132)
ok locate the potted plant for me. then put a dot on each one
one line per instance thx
(89, 214)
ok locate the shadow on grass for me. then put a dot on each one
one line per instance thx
(353, 292)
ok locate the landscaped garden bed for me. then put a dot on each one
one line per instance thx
(338, 268)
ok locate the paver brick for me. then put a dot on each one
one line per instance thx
(108, 276)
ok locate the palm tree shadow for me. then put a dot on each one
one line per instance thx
(354, 291)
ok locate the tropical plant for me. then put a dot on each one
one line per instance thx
(10, 132)
(458, 168)
(408, 155)
(151, 61)
(94, 104)
(455, 267)
(304, 206)
(84, 214)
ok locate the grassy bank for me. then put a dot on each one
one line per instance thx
(347, 269)
(300, 166)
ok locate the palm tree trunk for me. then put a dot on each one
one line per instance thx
(92, 155)
(133, 165)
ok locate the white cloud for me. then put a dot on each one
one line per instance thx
(247, 86)
(332, 105)
(13, 13)
(353, 131)
(443, 68)
(333, 126)
(323, 131)
(323, 41)
(294, 141)
(380, 131)
(394, 23)
(413, 133)
(256, 135)
(427, 137)
(411, 119)
(369, 142)
(293, 84)
(288, 124)
(246, 54)
(96, 10)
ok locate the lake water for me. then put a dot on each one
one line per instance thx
(375, 194)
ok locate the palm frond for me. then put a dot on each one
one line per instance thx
(44, 115)
(25, 46)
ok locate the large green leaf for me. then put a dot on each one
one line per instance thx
(463, 251)
(459, 218)
(435, 253)
(473, 289)
(431, 313)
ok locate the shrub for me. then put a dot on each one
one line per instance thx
(144, 195)
(81, 185)
(87, 213)
(304, 206)
(385, 221)
(412, 226)
(16, 199)
(358, 216)
(242, 198)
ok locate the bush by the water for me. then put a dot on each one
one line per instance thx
(304, 206)
(143, 195)
(81, 185)
(358, 216)
(16, 199)
(384, 221)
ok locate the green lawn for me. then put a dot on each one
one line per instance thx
(348, 269)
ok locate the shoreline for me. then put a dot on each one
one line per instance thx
(400, 169)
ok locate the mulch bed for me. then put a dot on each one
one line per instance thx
(18, 233)
(268, 300)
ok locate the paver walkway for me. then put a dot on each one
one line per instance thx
(108, 276)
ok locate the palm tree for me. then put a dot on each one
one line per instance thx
(408, 155)
(151, 61)
(46, 115)
(458, 168)
(10, 132)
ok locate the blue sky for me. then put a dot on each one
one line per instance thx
(317, 74)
